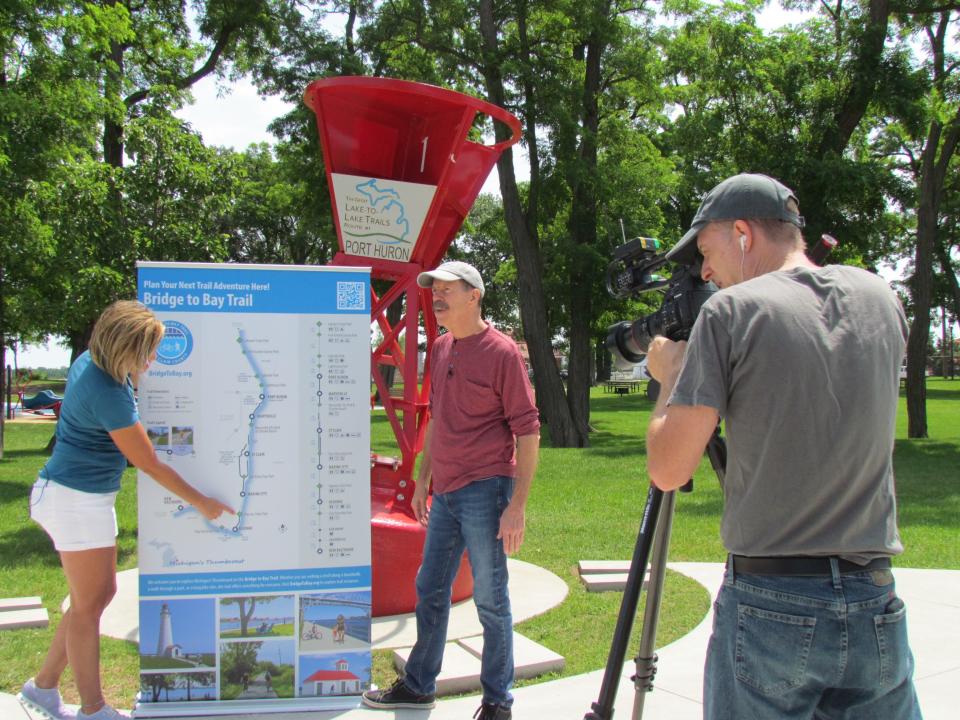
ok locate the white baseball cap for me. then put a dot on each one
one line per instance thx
(450, 271)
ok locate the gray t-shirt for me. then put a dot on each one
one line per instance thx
(803, 366)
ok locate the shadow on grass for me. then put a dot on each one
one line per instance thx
(617, 403)
(19, 454)
(937, 393)
(126, 546)
(12, 492)
(28, 546)
(700, 504)
(615, 446)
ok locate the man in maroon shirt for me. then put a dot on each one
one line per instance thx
(480, 454)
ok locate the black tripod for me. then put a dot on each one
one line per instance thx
(654, 532)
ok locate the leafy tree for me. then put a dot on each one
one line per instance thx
(281, 213)
(124, 63)
(245, 607)
(45, 113)
(239, 659)
(440, 43)
(553, 66)
(186, 681)
(743, 101)
(924, 144)
(949, 242)
(156, 683)
(814, 108)
(484, 243)
(178, 193)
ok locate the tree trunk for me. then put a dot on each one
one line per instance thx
(938, 150)
(551, 398)
(922, 290)
(921, 287)
(245, 614)
(80, 340)
(583, 229)
(578, 373)
(604, 362)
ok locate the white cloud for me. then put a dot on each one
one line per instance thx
(233, 116)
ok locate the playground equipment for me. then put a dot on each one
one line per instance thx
(403, 173)
(43, 400)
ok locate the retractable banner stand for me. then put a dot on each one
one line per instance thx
(259, 397)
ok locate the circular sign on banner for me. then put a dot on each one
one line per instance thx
(176, 345)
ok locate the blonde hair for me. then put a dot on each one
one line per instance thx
(124, 338)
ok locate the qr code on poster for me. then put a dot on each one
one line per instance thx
(350, 296)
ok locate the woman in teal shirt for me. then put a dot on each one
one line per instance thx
(98, 432)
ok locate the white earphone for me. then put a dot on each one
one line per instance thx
(743, 243)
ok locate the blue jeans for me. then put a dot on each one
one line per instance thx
(465, 518)
(832, 646)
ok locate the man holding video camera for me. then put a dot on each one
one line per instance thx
(801, 363)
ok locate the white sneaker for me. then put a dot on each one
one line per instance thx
(46, 702)
(104, 713)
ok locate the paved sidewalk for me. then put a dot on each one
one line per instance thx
(932, 598)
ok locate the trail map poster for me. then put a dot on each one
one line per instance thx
(259, 397)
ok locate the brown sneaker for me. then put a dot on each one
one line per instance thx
(398, 695)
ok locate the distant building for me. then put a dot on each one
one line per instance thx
(333, 682)
(558, 357)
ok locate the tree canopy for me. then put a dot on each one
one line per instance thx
(630, 112)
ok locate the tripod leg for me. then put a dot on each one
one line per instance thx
(646, 660)
(603, 708)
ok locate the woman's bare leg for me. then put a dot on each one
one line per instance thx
(56, 660)
(92, 577)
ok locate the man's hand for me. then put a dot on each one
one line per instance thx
(677, 434)
(421, 511)
(512, 523)
(664, 358)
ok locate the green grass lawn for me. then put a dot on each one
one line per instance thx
(585, 504)
(278, 630)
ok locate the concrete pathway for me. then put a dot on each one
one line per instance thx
(933, 602)
(259, 687)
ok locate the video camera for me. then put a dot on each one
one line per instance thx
(632, 271)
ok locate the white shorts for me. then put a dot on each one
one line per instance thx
(74, 520)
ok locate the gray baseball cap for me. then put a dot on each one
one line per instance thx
(450, 271)
(741, 197)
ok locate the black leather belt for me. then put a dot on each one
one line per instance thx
(800, 565)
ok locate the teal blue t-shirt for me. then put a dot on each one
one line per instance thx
(85, 456)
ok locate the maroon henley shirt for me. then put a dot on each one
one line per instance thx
(480, 401)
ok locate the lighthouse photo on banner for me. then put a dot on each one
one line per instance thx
(177, 634)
